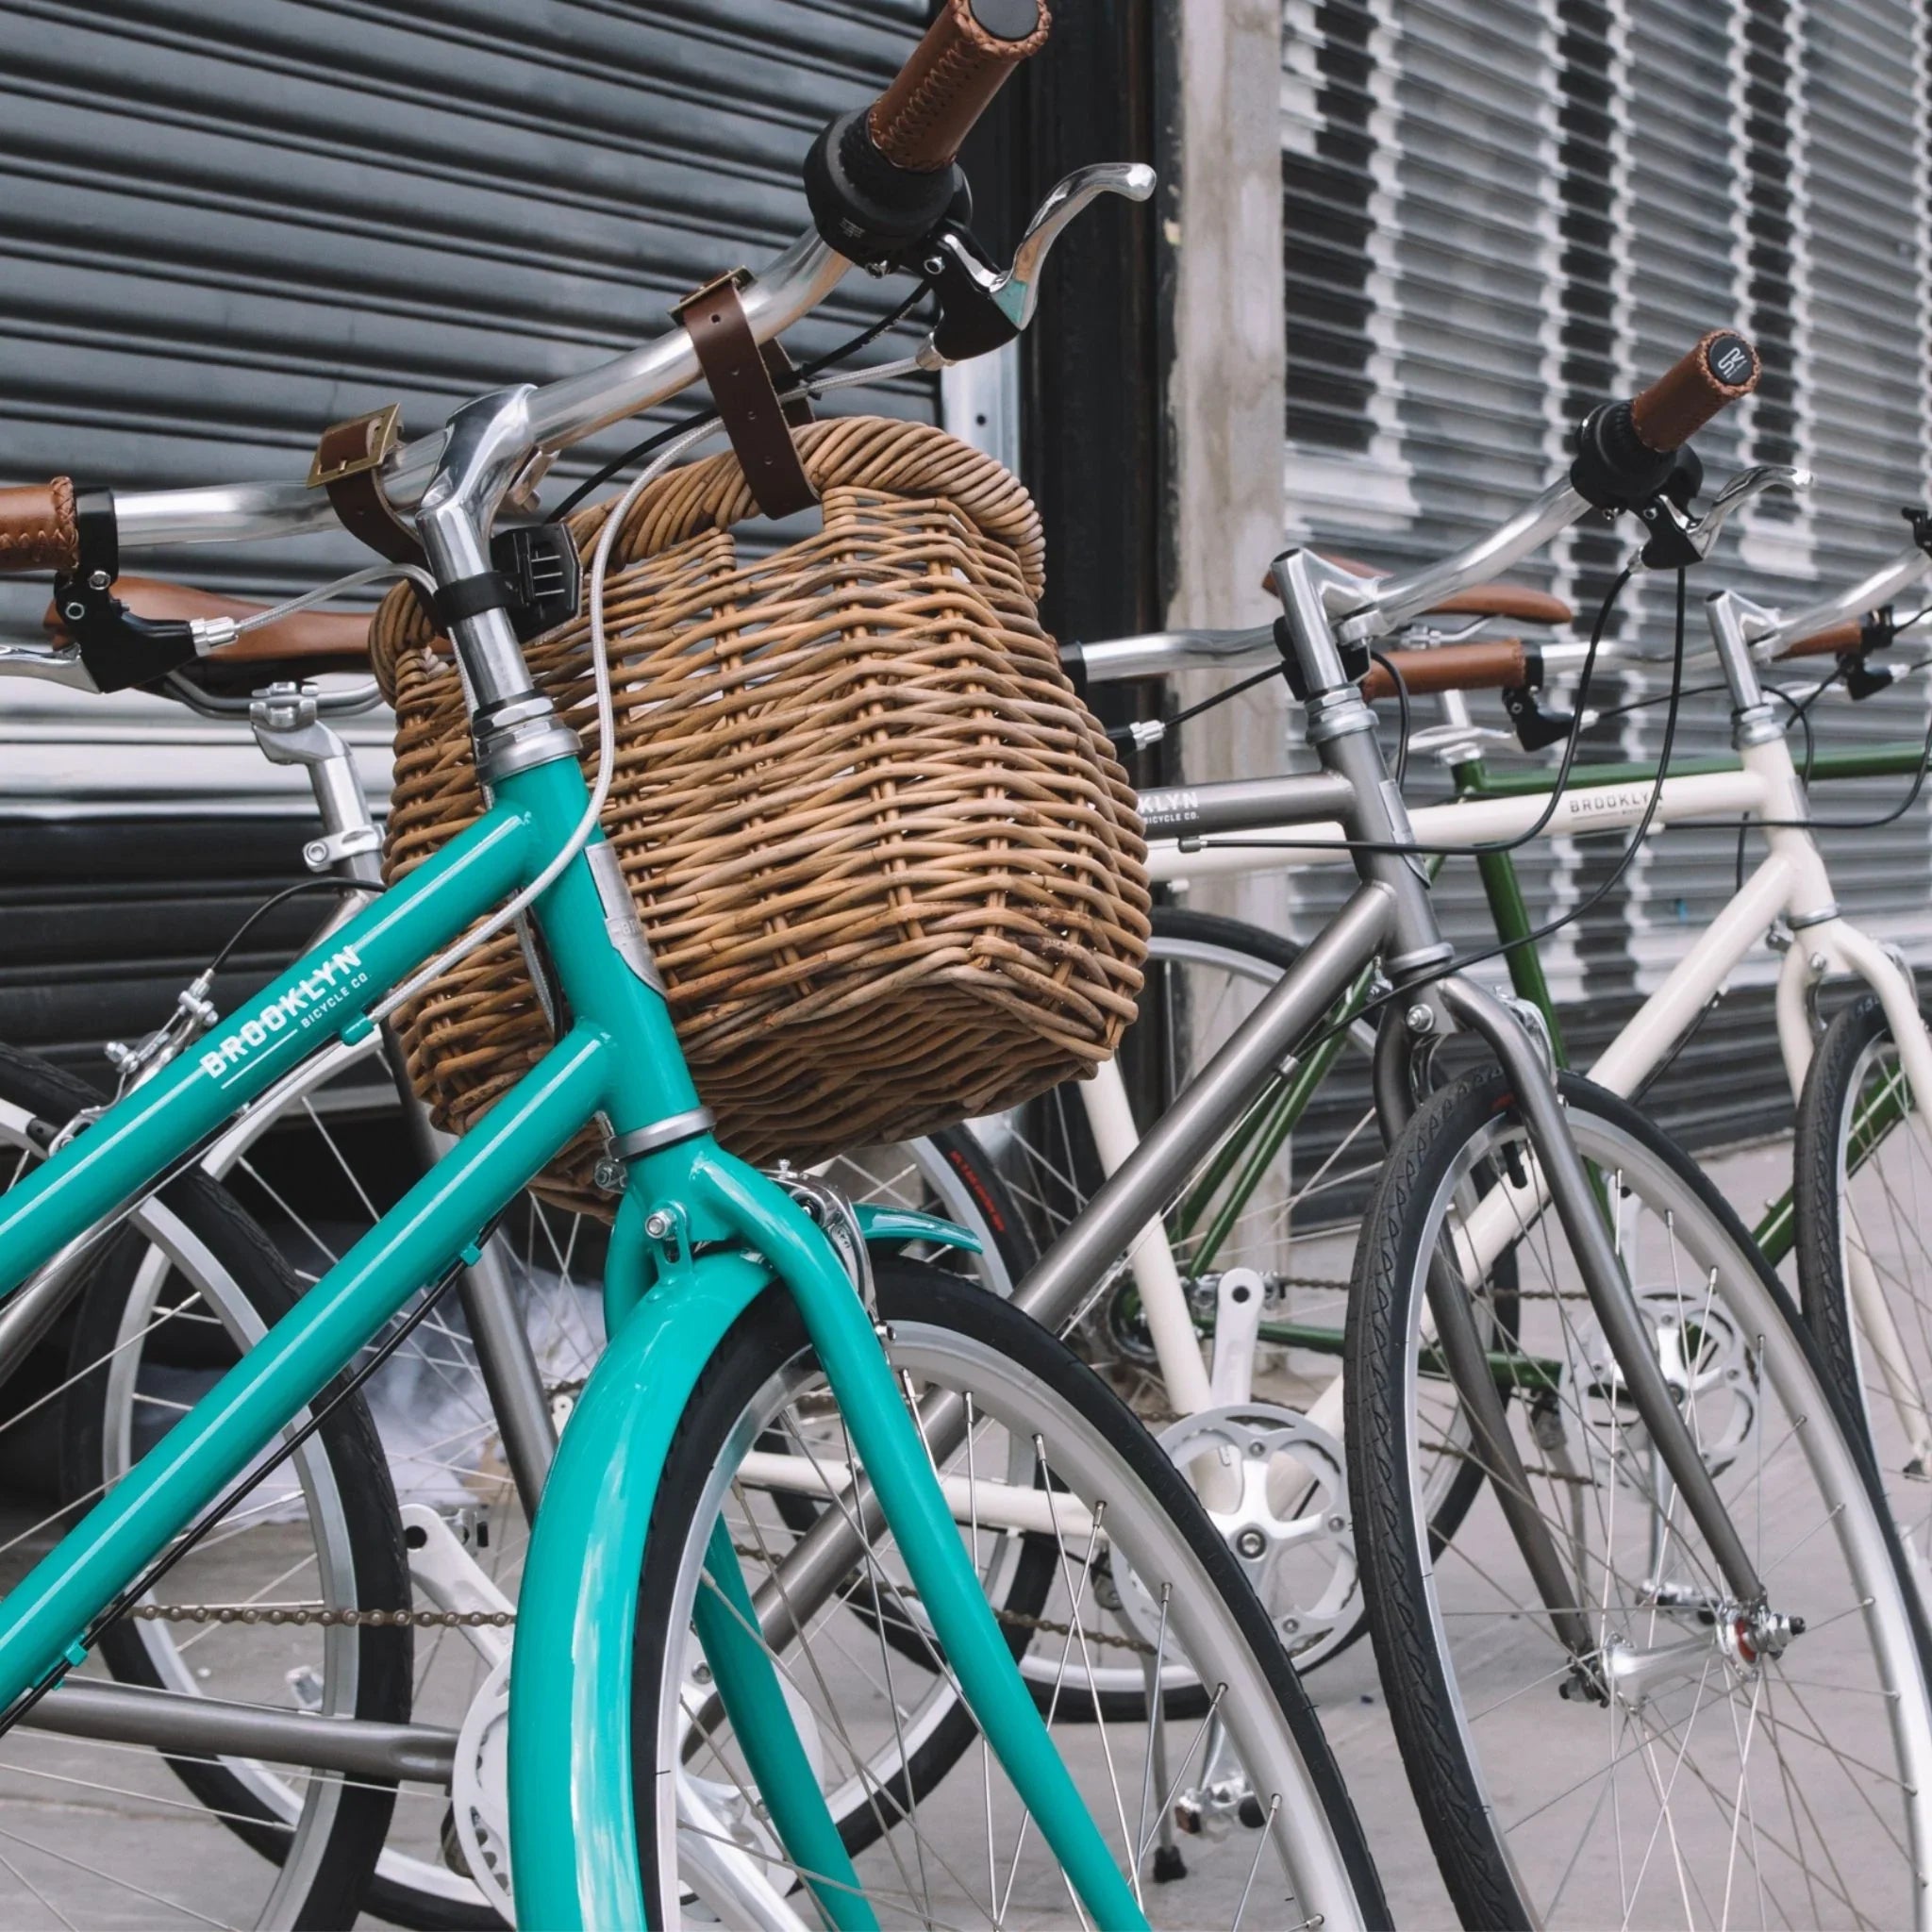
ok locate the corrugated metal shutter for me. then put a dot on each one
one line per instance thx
(225, 225)
(1498, 214)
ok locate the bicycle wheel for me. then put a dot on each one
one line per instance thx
(1282, 1198)
(176, 1838)
(1253, 1779)
(1863, 1202)
(1283, 1194)
(317, 1168)
(1698, 1763)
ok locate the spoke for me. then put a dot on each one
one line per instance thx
(93, 1872)
(1261, 1839)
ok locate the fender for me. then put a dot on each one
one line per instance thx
(572, 1823)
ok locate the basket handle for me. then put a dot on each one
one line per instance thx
(741, 386)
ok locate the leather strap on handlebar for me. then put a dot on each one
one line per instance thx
(740, 379)
(348, 465)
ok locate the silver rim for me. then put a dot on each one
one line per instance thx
(430, 1405)
(1297, 1228)
(1885, 1212)
(944, 1863)
(314, 1561)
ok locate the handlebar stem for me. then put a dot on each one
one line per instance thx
(1308, 587)
(1732, 620)
(288, 726)
(486, 445)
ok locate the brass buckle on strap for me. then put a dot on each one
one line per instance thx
(363, 443)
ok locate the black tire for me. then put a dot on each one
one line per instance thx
(1426, 1701)
(1013, 1241)
(1823, 1226)
(355, 1464)
(770, 1335)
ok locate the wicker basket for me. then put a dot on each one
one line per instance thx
(890, 870)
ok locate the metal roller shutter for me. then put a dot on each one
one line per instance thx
(224, 226)
(1499, 213)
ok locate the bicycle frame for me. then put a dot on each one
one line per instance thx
(668, 1305)
(1221, 829)
(1388, 920)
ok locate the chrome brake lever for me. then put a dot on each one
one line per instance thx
(1017, 291)
(983, 309)
(47, 665)
(1739, 490)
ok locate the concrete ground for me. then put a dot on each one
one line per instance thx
(68, 1809)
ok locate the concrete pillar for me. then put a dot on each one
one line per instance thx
(1224, 387)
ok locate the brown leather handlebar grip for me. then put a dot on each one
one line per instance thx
(1492, 664)
(1828, 643)
(1720, 370)
(37, 527)
(919, 122)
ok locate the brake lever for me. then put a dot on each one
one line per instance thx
(48, 663)
(981, 308)
(1739, 490)
(1018, 293)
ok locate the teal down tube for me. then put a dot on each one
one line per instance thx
(204, 1453)
(576, 1864)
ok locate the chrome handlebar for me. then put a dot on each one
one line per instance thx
(1859, 600)
(1386, 603)
(559, 414)
(1359, 608)
(566, 411)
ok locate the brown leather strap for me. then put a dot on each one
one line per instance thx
(37, 527)
(740, 385)
(348, 464)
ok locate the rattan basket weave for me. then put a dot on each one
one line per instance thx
(890, 870)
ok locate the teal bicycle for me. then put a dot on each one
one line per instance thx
(671, 1745)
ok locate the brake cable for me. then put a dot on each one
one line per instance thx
(1315, 1042)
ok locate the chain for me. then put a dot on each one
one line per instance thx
(499, 1619)
(320, 1614)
